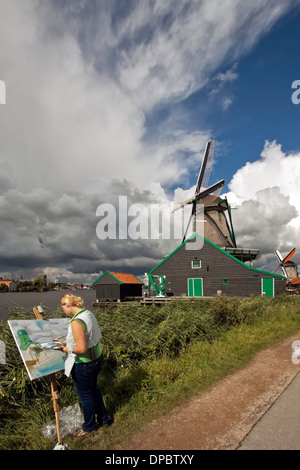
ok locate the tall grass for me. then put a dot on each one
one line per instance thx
(154, 358)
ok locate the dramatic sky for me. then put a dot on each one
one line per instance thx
(110, 98)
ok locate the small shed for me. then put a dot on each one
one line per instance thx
(210, 271)
(118, 286)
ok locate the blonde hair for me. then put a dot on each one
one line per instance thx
(71, 300)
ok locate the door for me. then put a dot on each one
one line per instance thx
(195, 287)
(267, 287)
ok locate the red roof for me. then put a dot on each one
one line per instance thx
(294, 281)
(126, 278)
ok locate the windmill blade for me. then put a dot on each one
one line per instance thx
(281, 262)
(276, 268)
(280, 259)
(181, 204)
(211, 190)
(289, 255)
(278, 256)
(206, 166)
(187, 227)
(283, 269)
(214, 187)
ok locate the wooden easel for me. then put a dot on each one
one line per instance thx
(55, 406)
(54, 393)
(38, 315)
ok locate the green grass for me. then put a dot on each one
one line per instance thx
(155, 358)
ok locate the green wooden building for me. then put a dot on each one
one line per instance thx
(210, 271)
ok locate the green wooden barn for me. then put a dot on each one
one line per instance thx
(209, 271)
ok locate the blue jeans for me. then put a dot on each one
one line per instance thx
(84, 377)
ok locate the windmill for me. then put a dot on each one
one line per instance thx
(289, 268)
(217, 228)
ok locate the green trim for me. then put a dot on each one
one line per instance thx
(76, 315)
(220, 249)
(107, 272)
(169, 256)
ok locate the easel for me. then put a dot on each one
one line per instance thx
(40, 316)
(55, 406)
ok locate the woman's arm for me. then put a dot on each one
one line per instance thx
(79, 338)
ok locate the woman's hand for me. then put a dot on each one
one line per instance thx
(61, 345)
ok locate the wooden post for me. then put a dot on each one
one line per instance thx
(38, 315)
(55, 406)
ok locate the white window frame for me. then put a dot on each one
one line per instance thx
(196, 267)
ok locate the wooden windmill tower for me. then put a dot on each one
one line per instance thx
(217, 228)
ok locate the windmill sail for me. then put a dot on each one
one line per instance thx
(204, 193)
(288, 268)
(205, 170)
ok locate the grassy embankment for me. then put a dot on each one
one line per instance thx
(155, 358)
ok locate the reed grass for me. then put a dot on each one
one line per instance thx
(155, 358)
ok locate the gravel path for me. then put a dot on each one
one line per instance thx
(221, 417)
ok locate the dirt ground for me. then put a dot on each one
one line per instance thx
(221, 417)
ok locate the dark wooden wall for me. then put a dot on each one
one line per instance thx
(109, 288)
(216, 266)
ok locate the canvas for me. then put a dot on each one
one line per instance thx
(34, 339)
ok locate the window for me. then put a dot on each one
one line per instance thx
(225, 282)
(196, 263)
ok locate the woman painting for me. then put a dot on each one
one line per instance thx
(84, 362)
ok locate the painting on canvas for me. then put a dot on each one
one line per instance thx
(34, 339)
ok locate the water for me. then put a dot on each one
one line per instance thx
(50, 299)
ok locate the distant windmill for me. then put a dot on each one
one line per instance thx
(217, 228)
(289, 268)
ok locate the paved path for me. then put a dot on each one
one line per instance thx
(279, 427)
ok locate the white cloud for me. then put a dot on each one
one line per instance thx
(226, 102)
(166, 67)
(81, 81)
(229, 76)
(69, 121)
(266, 197)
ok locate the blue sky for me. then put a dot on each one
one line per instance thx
(118, 98)
(260, 101)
